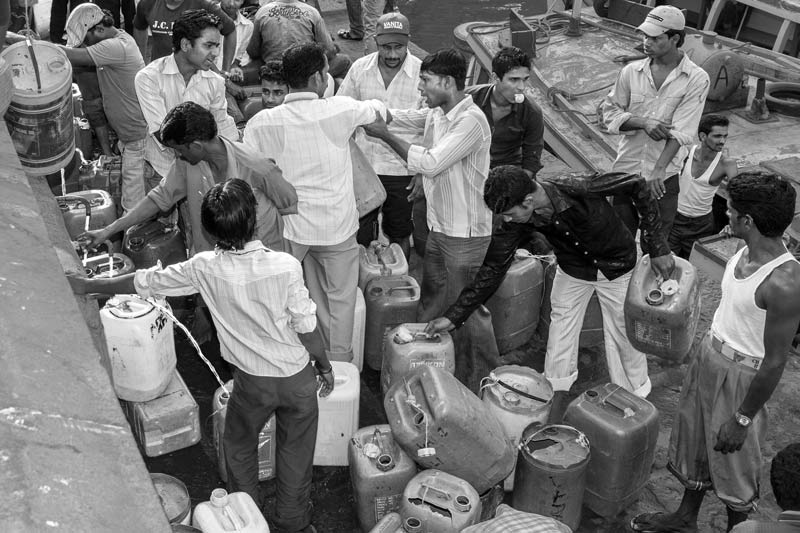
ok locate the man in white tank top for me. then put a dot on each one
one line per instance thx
(703, 170)
(720, 425)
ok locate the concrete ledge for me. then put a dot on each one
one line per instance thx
(67, 456)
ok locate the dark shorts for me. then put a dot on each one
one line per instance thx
(686, 230)
(396, 212)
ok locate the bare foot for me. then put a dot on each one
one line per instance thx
(662, 523)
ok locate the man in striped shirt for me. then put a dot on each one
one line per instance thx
(454, 162)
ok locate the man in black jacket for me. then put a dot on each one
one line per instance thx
(595, 252)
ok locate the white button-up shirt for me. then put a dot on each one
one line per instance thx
(678, 102)
(454, 162)
(364, 82)
(308, 138)
(258, 301)
(244, 30)
(160, 87)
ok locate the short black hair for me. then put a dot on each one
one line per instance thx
(506, 187)
(680, 33)
(107, 20)
(272, 71)
(190, 25)
(228, 214)
(302, 61)
(447, 62)
(766, 197)
(784, 475)
(508, 59)
(187, 122)
(708, 122)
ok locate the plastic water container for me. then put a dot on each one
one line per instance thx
(390, 301)
(150, 242)
(40, 115)
(516, 303)
(229, 512)
(507, 394)
(661, 318)
(379, 471)
(622, 430)
(443, 503)
(551, 473)
(174, 498)
(338, 416)
(441, 424)
(96, 205)
(266, 438)
(140, 345)
(407, 347)
(359, 326)
(167, 423)
(99, 266)
(380, 260)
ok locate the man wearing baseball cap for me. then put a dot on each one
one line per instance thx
(390, 75)
(656, 105)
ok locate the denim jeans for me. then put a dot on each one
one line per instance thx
(132, 173)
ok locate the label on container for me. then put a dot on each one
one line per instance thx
(652, 335)
(386, 504)
(433, 363)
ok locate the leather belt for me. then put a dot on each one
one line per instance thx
(734, 355)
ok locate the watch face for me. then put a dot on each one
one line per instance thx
(742, 420)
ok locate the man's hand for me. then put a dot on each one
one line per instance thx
(657, 130)
(93, 238)
(655, 183)
(731, 437)
(325, 381)
(235, 90)
(416, 189)
(438, 325)
(236, 74)
(663, 266)
(378, 129)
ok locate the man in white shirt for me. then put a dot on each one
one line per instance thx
(390, 75)
(309, 138)
(184, 76)
(656, 105)
(454, 162)
(244, 31)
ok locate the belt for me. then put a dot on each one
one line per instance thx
(734, 355)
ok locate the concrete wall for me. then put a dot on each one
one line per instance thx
(68, 461)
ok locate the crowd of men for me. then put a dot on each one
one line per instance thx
(270, 210)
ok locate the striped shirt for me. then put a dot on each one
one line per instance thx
(454, 162)
(160, 87)
(257, 299)
(678, 102)
(308, 137)
(364, 82)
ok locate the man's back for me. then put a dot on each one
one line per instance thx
(280, 25)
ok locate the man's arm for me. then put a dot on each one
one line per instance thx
(780, 296)
(727, 169)
(128, 8)
(141, 25)
(254, 46)
(218, 106)
(149, 94)
(533, 142)
(79, 57)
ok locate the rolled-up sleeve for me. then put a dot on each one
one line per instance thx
(219, 108)
(170, 190)
(687, 115)
(175, 280)
(302, 309)
(615, 106)
(457, 143)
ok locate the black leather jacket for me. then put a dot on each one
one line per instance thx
(585, 232)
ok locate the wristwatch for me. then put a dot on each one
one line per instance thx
(743, 420)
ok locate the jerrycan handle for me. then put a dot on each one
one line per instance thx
(64, 201)
(437, 492)
(402, 288)
(609, 399)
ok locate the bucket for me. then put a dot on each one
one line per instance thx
(150, 242)
(380, 260)
(551, 473)
(661, 317)
(622, 430)
(266, 437)
(516, 303)
(379, 471)
(441, 424)
(407, 347)
(441, 502)
(229, 512)
(141, 346)
(40, 115)
(338, 416)
(174, 498)
(390, 301)
(517, 396)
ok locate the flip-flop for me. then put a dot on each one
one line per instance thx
(346, 35)
(649, 527)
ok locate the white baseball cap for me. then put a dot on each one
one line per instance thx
(662, 18)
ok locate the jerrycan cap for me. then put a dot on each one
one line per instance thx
(219, 497)
(426, 452)
(372, 450)
(669, 287)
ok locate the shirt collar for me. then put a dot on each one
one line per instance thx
(171, 67)
(248, 247)
(682, 68)
(458, 108)
(408, 68)
(304, 95)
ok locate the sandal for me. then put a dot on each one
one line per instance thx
(649, 523)
(347, 36)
